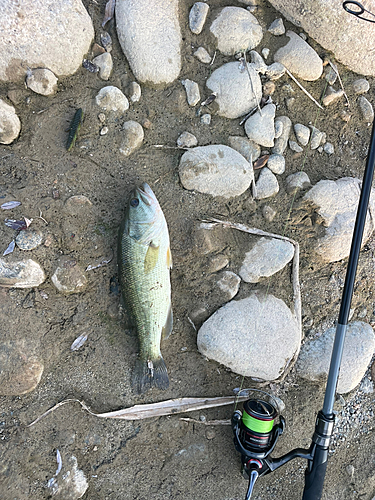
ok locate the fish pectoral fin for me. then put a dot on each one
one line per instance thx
(151, 258)
(169, 258)
(167, 328)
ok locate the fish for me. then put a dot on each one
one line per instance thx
(145, 260)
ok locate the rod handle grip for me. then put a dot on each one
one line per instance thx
(315, 475)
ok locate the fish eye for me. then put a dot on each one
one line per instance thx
(134, 202)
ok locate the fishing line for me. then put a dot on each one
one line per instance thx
(291, 206)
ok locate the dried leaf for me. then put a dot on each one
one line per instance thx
(261, 162)
(79, 341)
(10, 248)
(10, 204)
(16, 224)
(109, 12)
(139, 412)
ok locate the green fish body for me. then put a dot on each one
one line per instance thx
(144, 263)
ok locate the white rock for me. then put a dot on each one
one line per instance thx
(328, 148)
(257, 61)
(266, 184)
(361, 86)
(275, 71)
(277, 27)
(299, 180)
(135, 91)
(206, 119)
(300, 58)
(133, 137)
(235, 94)
(186, 140)
(202, 55)
(366, 108)
(21, 273)
(314, 359)
(260, 126)
(192, 92)
(267, 257)
(282, 141)
(236, 30)
(317, 137)
(10, 125)
(278, 128)
(229, 284)
(42, 81)
(105, 65)
(302, 134)
(150, 36)
(332, 96)
(197, 17)
(112, 99)
(43, 33)
(337, 203)
(249, 149)
(265, 52)
(268, 213)
(276, 163)
(217, 170)
(255, 337)
(294, 146)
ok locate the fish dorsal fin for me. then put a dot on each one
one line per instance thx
(167, 328)
(151, 258)
(169, 258)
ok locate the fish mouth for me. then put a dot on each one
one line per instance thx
(145, 193)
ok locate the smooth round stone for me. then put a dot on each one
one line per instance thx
(366, 108)
(197, 17)
(135, 92)
(299, 180)
(277, 27)
(247, 148)
(361, 86)
(276, 163)
(134, 135)
(105, 65)
(192, 92)
(202, 55)
(266, 184)
(112, 99)
(20, 369)
(206, 119)
(302, 133)
(28, 239)
(21, 273)
(294, 146)
(186, 140)
(10, 124)
(68, 276)
(42, 81)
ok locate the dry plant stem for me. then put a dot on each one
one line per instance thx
(295, 275)
(303, 89)
(139, 412)
(207, 422)
(251, 83)
(341, 84)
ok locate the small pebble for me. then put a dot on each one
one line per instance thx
(277, 27)
(210, 433)
(294, 146)
(361, 86)
(104, 131)
(266, 185)
(299, 180)
(206, 119)
(101, 117)
(97, 50)
(268, 213)
(302, 134)
(350, 470)
(345, 116)
(135, 91)
(330, 75)
(133, 137)
(106, 41)
(28, 239)
(265, 52)
(258, 63)
(202, 55)
(197, 17)
(332, 95)
(276, 163)
(217, 263)
(290, 102)
(278, 128)
(303, 36)
(192, 92)
(366, 108)
(146, 123)
(269, 88)
(105, 65)
(316, 137)
(187, 140)
(42, 81)
(275, 71)
(328, 148)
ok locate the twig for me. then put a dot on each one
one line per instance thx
(213, 59)
(251, 83)
(295, 276)
(207, 422)
(303, 89)
(338, 76)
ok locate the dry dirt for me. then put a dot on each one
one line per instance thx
(161, 458)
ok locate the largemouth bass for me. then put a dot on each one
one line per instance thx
(144, 263)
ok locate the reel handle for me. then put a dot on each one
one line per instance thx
(315, 474)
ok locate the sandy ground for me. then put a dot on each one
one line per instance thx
(161, 458)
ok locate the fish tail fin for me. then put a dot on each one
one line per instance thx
(150, 373)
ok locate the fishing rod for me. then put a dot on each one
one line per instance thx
(255, 429)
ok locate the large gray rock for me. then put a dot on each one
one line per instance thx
(43, 34)
(236, 94)
(150, 36)
(255, 337)
(260, 127)
(236, 30)
(217, 170)
(10, 124)
(267, 257)
(337, 203)
(300, 58)
(314, 358)
(350, 39)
